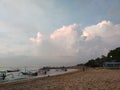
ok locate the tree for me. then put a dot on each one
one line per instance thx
(113, 55)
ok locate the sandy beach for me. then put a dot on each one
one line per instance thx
(91, 79)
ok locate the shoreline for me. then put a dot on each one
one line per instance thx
(38, 77)
(91, 79)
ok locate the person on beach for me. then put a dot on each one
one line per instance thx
(45, 72)
(83, 68)
(3, 76)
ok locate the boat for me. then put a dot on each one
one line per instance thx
(30, 73)
(25, 73)
(14, 70)
(41, 71)
(34, 74)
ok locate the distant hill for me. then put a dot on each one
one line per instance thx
(113, 55)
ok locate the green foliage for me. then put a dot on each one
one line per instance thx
(113, 55)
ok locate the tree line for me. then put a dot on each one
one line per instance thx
(113, 55)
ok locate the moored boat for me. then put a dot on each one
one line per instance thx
(30, 73)
(14, 70)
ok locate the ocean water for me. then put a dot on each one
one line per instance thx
(14, 76)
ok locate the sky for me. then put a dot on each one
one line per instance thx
(57, 32)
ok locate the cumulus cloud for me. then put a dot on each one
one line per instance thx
(97, 30)
(38, 39)
(92, 42)
(66, 45)
(105, 30)
(65, 36)
(60, 42)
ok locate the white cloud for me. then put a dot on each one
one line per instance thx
(65, 36)
(60, 42)
(91, 32)
(38, 39)
(101, 38)
(22, 19)
(94, 41)
(66, 44)
(105, 30)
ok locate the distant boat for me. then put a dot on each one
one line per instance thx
(14, 70)
(64, 69)
(42, 71)
(34, 74)
(30, 73)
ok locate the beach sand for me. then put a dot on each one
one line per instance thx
(91, 79)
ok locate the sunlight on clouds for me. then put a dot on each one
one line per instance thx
(97, 39)
(37, 28)
(38, 39)
(104, 23)
(65, 36)
(98, 30)
(64, 32)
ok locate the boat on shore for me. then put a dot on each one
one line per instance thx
(30, 73)
(13, 70)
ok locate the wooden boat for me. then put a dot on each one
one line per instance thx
(14, 70)
(25, 73)
(34, 74)
(30, 73)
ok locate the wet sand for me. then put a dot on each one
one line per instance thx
(91, 79)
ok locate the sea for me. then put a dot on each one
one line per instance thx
(15, 76)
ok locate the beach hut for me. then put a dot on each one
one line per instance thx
(111, 65)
